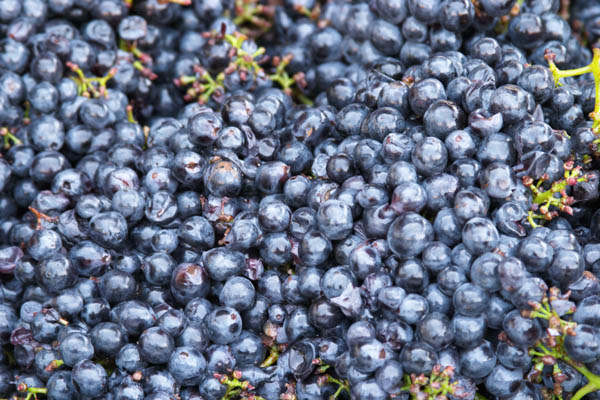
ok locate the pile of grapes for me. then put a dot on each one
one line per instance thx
(299, 199)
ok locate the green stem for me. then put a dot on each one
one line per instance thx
(143, 57)
(530, 216)
(587, 389)
(211, 86)
(179, 2)
(343, 386)
(557, 351)
(582, 369)
(594, 68)
(571, 72)
(544, 349)
(253, 14)
(9, 137)
(244, 59)
(145, 71)
(302, 98)
(240, 19)
(130, 116)
(548, 194)
(85, 85)
(283, 80)
(596, 71)
(542, 313)
(281, 76)
(54, 365)
(31, 391)
(187, 79)
(271, 358)
(536, 353)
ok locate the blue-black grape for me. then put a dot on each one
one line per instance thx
(345, 189)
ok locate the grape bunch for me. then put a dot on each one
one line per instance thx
(299, 199)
